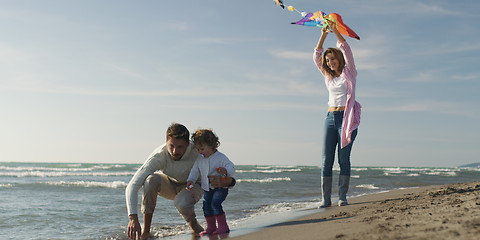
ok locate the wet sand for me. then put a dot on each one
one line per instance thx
(437, 212)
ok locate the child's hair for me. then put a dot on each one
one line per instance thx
(338, 55)
(178, 131)
(205, 137)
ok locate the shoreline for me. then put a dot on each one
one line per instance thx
(433, 212)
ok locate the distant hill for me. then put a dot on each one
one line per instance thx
(471, 165)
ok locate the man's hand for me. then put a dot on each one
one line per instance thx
(219, 181)
(134, 230)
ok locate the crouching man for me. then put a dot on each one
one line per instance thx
(173, 160)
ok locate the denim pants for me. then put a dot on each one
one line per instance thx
(212, 201)
(332, 133)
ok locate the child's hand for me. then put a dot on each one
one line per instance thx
(222, 171)
(189, 186)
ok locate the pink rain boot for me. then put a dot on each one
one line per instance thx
(211, 226)
(222, 224)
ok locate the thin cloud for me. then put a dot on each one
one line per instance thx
(428, 106)
(258, 90)
(467, 77)
(9, 54)
(213, 40)
(448, 49)
(177, 25)
(436, 9)
(125, 71)
(227, 40)
(368, 59)
(405, 8)
(292, 55)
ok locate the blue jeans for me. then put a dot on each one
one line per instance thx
(212, 201)
(332, 133)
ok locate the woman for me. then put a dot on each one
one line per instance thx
(343, 118)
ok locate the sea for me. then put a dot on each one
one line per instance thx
(87, 201)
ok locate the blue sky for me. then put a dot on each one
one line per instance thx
(100, 81)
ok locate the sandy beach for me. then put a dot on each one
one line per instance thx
(438, 212)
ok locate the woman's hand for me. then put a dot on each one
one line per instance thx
(325, 30)
(333, 26)
(322, 38)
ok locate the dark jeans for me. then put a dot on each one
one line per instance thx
(332, 133)
(212, 201)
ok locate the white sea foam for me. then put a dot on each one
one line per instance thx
(114, 184)
(413, 175)
(164, 231)
(264, 167)
(390, 171)
(355, 176)
(359, 169)
(265, 180)
(63, 174)
(440, 173)
(263, 215)
(278, 166)
(269, 170)
(367, 186)
(281, 207)
(72, 168)
(5, 185)
(416, 172)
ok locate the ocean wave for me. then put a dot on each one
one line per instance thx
(416, 172)
(269, 170)
(67, 168)
(63, 174)
(367, 186)
(413, 175)
(114, 184)
(359, 169)
(277, 166)
(5, 185)
(265, 180)
(264, 167)
(440, 173)
(282, 207)
(265, 211)
(276, 208)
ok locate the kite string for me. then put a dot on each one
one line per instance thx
(320, 19)
(291, 9)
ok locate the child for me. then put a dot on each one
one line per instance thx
(211, 162)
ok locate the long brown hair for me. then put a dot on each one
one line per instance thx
(338, 55)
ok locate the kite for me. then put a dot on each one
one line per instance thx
(321, 19)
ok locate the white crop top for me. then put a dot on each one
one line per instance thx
(337, 92)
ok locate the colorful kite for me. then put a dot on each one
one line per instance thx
(321, 19)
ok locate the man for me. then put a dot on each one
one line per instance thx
(174, 161)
